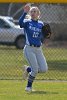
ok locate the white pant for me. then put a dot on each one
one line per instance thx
(36, 59)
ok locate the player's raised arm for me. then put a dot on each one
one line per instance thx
(26, 10)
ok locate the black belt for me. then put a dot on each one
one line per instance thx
(34, 45)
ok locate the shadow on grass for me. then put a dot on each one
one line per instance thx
(58, 65)
(43, 92)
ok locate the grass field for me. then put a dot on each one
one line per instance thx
(14, 90)
(12, 60)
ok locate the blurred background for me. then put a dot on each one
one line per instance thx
(12, 41)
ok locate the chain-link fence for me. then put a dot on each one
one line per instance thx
(55, 49)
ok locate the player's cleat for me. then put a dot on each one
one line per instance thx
(25, 73)
(29, 89)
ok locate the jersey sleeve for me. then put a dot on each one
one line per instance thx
(22, 21)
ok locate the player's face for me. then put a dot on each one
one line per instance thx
(34, 13)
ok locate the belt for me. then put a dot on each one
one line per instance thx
(34, 45)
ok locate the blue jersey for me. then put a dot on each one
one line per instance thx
(32, 30)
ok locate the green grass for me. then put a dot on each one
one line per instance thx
(14, 90)
(12, 60)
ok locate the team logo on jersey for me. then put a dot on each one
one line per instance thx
(34, 29)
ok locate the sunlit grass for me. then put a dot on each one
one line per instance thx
(15, 90)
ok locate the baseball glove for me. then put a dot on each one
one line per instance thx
(46, 31)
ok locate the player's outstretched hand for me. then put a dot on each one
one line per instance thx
(27, 8)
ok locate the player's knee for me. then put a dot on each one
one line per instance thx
(44, 69)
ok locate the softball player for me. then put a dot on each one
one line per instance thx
(32, 50)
